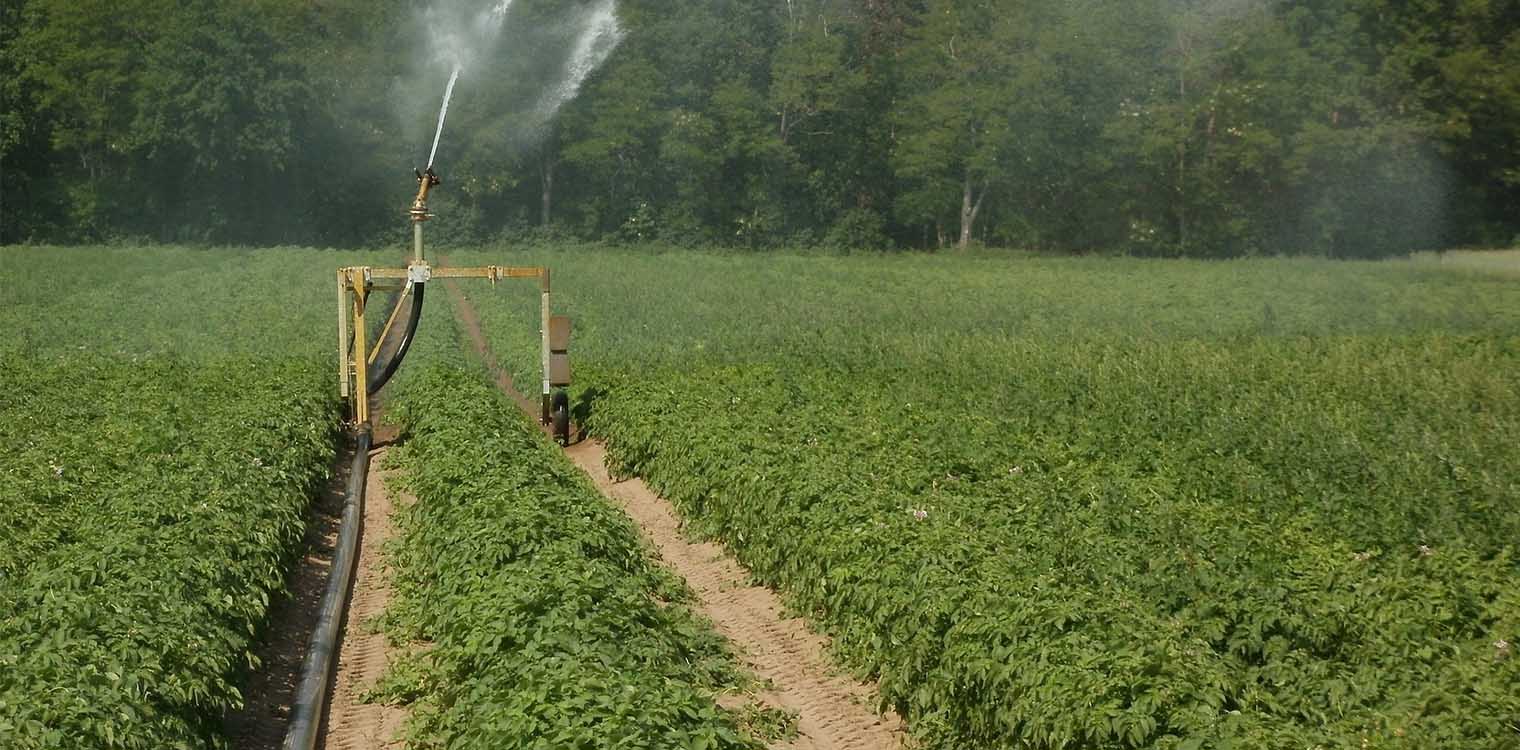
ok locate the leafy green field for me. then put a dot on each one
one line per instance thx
(547, 624)
(1047, 503)
(167, 417)
(1090, 503)
(168, 414)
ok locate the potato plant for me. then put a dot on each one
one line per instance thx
(148, 509)
(543, 620)
(1072, 503)
(166, 415)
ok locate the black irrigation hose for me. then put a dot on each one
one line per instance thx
(378, 382)
(322, 653)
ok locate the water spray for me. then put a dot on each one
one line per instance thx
(459, 39)
(448, 93)
(363, 371)
(598, 37)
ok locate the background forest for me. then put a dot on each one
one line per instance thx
(1346, 128)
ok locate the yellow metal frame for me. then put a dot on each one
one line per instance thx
(356, 283)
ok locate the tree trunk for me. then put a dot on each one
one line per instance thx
(969, 209)
(1182, 215)
(547, 197)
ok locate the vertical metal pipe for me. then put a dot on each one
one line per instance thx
(361, 361)
(417, 241)
(544, 329)
(342, 335)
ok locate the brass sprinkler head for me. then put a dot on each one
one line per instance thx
(426, 180)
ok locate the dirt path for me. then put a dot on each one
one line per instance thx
(364, 654)
(834, 712)
(471, 321)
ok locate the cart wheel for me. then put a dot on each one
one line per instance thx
(561, 412)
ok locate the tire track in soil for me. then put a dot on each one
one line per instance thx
(833, 710)
(365, 654)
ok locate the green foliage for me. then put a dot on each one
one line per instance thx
(147, 511)
(1345, 128)
(1171, 545)
(180, 122)
(1060, 503)
(547, 624)
(168, 415)
(768, 723)
(858, 229)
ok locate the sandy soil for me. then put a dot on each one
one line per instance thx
(364, 654)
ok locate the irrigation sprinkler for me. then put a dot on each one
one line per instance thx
(362, 371)
(361, 374)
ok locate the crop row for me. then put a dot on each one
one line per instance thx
(1270, 545)
(1259, 504)
(167, 413)
(545, 621)
(148, 508)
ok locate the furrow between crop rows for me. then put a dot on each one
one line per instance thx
(833, 712)
(354, 722)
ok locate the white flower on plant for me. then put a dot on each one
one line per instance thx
(57, 471)
(1426, 551)
(1016, 470)
(1362, 556)
(920, 514)
(258, 461)
(1501, 649)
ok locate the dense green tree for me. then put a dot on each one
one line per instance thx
(174, 120)
(1190, 127)
(1451, 69)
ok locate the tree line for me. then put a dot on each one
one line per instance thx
(1203, 128)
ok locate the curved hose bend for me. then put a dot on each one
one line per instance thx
(322, 652)
(377, 382)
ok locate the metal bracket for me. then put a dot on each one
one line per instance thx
(355, 285)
